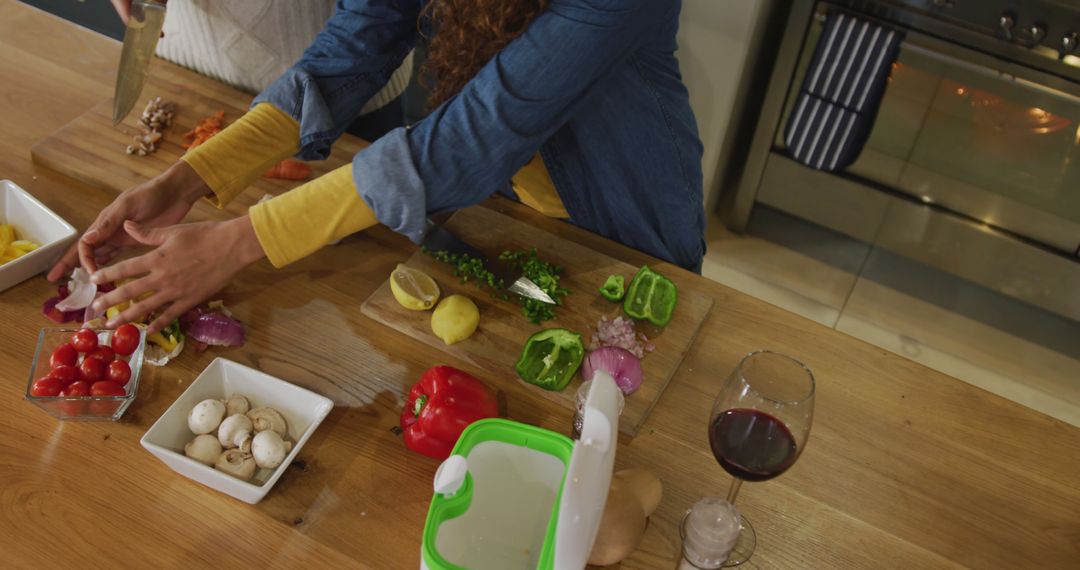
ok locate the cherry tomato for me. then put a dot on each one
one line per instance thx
(106, 388)
(91, 370)
(85, 340)
(45, 387)
(118, 372)
(63, 355)
(72, 408)
(64, 374)
(126, 339)
(102, 353)
(78, 389)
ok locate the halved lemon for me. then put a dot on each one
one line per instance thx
(413, 288)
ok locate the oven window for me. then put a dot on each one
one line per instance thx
(994, 147)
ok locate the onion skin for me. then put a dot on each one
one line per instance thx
(623, 366)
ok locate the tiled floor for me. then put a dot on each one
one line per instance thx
(989, 340)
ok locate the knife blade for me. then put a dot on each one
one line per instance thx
(140, 40)
(441, 239)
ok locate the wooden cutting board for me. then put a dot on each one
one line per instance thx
(503, 328)
(90, 149)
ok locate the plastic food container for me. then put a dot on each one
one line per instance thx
(36, 223)
(514, 496)
(87, 407)
(302, 409)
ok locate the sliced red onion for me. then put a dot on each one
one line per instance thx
(623, 366)
(81, 291)
(214, 329)
(49, 309)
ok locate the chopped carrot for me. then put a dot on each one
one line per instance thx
(207, 128)
(289, 169)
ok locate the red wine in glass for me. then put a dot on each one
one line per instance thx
(759, 425)
(752, 445)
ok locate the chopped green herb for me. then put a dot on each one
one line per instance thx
(544, 274)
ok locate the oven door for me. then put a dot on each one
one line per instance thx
(972, 166)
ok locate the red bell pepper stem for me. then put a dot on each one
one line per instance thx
(440, 406)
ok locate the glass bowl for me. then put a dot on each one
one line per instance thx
(86, 407)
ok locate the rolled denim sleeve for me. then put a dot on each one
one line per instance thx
(348, 63)
(471, 145)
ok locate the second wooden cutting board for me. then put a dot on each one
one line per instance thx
(503, 328)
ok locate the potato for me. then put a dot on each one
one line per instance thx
(7, 235)
(634, 495)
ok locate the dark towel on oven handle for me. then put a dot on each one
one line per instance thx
(841, 93)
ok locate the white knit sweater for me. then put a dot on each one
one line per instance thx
(250, 43)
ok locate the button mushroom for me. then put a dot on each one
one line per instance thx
(267, 419)
(236, 463)
(204, 448)
(206, 416)
(236, 404)
(234, 431)
(269, 449)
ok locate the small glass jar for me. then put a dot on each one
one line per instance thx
(579, 408)
(709, 531)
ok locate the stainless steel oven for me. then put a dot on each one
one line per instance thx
(972, 165)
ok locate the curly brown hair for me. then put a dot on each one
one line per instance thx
(468, 33)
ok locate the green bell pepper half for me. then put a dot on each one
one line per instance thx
(651, 297)
(550, 358)
(614, 288)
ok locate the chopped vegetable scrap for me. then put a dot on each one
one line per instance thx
(544, 274)
(550, 358)
(11, 247)
(614, 288)
(289, 169)
(440, 406)
(651, 297)
(156, 117)
(620, 332)
(207, 128)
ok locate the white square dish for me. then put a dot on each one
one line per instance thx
(302, 409)
(36, 223)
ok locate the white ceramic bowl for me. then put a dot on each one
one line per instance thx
(36, 223)
(303, 410)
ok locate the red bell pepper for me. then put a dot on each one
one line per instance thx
(440, 406)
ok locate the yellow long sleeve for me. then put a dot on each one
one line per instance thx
(237, 156)
(304, 219)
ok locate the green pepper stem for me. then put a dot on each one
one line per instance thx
(419, 405)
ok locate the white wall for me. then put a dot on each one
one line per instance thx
(714, 42)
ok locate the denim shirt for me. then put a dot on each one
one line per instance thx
(593, 85)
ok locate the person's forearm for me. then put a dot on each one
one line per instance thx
(299, 222)
(237, 156)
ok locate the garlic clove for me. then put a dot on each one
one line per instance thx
(236, 463)
(265, 418)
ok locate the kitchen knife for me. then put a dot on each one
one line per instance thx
(440, 239)
(140, 39)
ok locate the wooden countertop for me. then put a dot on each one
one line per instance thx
(906, 467)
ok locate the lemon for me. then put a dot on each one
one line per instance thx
(455, 319)
(413, 288)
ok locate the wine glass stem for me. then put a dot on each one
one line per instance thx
(733, 491)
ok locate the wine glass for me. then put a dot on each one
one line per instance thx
(759, 425)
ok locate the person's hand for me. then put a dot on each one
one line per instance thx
(189, 263)
(161, 201)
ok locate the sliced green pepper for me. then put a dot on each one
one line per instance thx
(651, 296)
(614, 288)
(550, 358)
